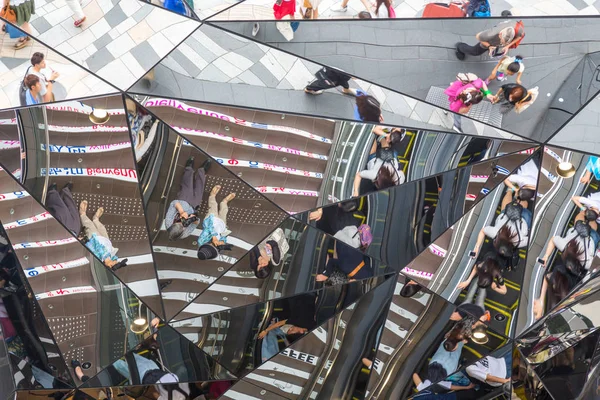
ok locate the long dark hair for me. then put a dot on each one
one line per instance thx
(385, 178)
(475, 98)
(503, 242)
(518, 93)
(558, 285)
(570, 257)
(462, 330)
(369, 108)
(488, 271)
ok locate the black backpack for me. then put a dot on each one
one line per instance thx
(513, 211)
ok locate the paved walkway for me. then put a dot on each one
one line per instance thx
(74, 81)
(119, 41)
(263, 9)
(581, 133)
(215, 66)
(412, 56)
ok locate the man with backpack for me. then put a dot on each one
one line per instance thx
(497, 40)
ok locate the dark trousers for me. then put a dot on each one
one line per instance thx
(191, 188)
(63, 208)
(476, 50)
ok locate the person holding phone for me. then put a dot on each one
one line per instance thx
(269, 254)
(38, 63)
(181, 218)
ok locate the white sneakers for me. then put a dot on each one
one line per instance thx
(255, 28)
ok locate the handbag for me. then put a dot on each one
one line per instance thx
(308, 10)
(8, 13)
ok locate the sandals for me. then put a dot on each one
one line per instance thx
(229, 197)
(83, 207)
(22, 43)
(98, 213)
(79, 22)
(215, 190)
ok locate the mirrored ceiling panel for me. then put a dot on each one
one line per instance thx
(70, 80)
(29, 341)
(224, 68)
(302, 162)
(260, 10)
(201, 216)
(79, 296)
(580, 127)
(293, 259)
(434, 204)
(425, 340)
(81, 168)
(10, 143)
(163, 357)
(258, 327)
(485, 251)
(421, 58)
(117, 41)
(327, 362)
(565, 239)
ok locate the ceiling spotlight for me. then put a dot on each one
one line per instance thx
(99, 116)
(140, 324)
(565, 169)
(480, 335)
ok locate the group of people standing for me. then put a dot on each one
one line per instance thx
(468, 89)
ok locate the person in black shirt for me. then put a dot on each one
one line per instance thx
(327, 78)
(511, 96)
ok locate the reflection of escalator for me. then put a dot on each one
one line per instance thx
(150, 165)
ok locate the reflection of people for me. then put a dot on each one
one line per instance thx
(591, 168)
(443, 363)
(489, 274)
(62, 207)
(214, 227)
(98, 241)
(508, 66)
(328, 78)
(463, 94)
(350, 262)
(268, 254)
(149, 371)
(75, 6)
(383, 168)
(23, 10)
(502, 37)
(34, 88)
(514, 96)
(182, 210)
(37, 64)
(410, 289)
(79, 371)
(367, 108)
(493, 371)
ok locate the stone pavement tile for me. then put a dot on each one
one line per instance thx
(208, 43)
(55, 36)
(41, 25)
(246, 94)
(207, 55)
(285, 85)
(120, 45)
(141, 14)
(99, 59)
(185, 63)
(251, 51)
(178, 32)
(145, 55)
(133, 65)
(350, 49)
(226, 67)
(250, 78)
(117, 73)
(274, 67)
(171, 64)
(125, 26)
(192, 56)
(115, 16)
(140, 32)
(378, 52)
(261, 71)
(130, 7)
(100, 28)
(363, 34)
(546, 49)
(320, 49)
(239, 61)
(102, 42)
(93, 14)
(82, 40)
(299, 76)
(57, 16)
(219, 93)
(405, 53)
(160, 44)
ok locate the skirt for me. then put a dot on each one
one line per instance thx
(24, 11)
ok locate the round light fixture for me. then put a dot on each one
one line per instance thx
(480, 335)
(140, 321)
(99, 116)
(138, 329)
(565, 169)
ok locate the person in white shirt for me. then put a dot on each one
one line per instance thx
(492, 371)
(38, 63)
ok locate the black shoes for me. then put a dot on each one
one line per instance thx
(206, 165)
(120, 264)
(162, 285)
(53, 186)
(69, 185)
(75, 363)
(190, 162)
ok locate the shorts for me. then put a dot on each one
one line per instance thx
(528, 217)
